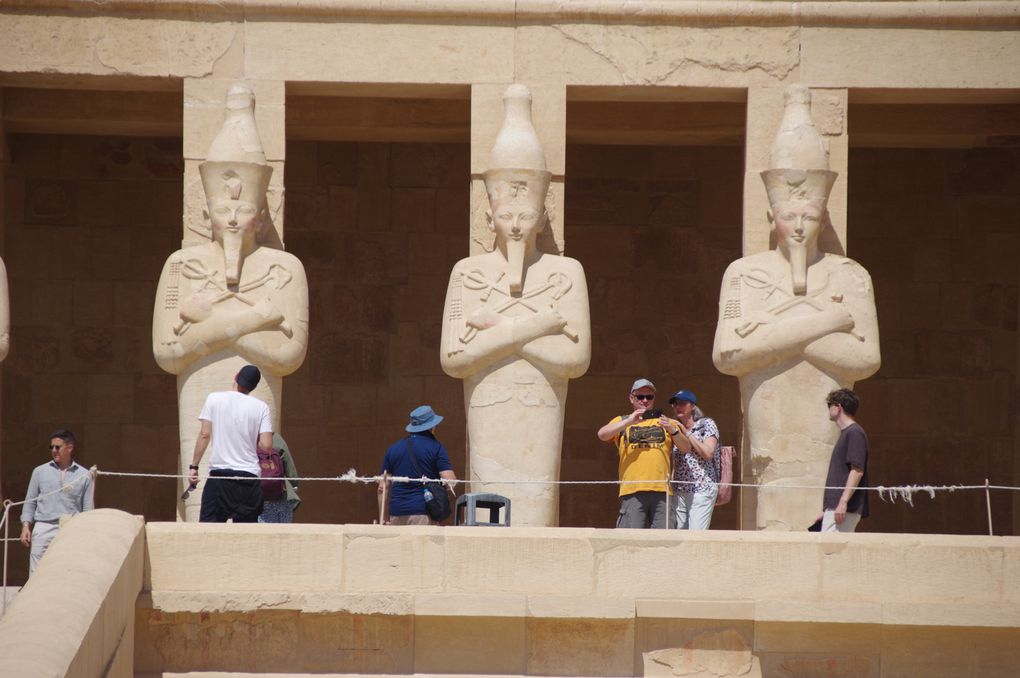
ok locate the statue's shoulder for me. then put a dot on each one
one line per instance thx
(563, 264)
(759, 260)
(281, 257)
(479, 261)
(202, 252)
(845, 265)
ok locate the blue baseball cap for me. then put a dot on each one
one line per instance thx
(683, 395)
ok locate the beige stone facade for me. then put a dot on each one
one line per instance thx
(656, 119)
(174, 599)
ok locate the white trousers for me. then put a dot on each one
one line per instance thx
(694, 509)
(42, 535)
(849, 523)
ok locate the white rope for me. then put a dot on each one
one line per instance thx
(94, 471)
(886, 493)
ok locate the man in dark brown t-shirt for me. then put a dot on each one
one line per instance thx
(843, 505)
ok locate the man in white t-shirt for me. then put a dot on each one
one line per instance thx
(236, 424)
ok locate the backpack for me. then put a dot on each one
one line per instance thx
(725, 475)
(271, 470)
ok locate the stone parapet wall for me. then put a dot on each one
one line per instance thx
(75, 618)
(519, 601)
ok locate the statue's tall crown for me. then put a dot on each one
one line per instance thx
(517, 156)
(799, 167)
(235, 166)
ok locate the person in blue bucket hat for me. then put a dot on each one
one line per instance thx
(403, 503)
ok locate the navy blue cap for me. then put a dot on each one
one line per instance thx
(248, 378)
(683, 395)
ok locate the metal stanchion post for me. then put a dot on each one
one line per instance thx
(7, 533)
(988, 504)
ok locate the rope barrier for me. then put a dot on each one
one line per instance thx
(886, 493)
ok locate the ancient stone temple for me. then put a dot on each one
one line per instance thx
(511, 210)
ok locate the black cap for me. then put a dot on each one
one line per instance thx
(248, 378)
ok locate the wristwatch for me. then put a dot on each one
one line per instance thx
(192, 467)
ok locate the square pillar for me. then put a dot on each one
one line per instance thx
(204, 109)
(549, 115)
(764, 114)
(5, 304)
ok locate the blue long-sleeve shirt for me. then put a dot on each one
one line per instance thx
(46, 500)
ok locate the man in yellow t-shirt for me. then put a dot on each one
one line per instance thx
(644, 440)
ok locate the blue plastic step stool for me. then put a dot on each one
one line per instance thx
(468, 505)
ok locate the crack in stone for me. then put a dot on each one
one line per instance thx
(774, 70)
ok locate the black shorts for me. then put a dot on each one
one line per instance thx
(224, 498)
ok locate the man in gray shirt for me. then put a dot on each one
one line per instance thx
(60, 487)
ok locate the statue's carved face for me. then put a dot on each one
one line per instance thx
(798, 222)
(233, 216)
(518, 218)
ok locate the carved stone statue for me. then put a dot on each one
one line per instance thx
(794, 324)
(233, 300)
(516, 328)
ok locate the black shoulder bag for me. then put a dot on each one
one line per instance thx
(437, 498)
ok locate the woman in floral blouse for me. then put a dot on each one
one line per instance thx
(695, 463)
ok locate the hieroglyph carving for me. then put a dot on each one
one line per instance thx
(232, 301)
(794, 324)
(516, 328)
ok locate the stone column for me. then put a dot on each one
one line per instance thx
(764, 113)
(5, 327)
(549, 114)
(204, 105)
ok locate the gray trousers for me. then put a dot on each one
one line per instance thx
(643, 509)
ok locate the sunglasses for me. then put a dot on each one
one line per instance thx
(56, 447)
(645, 396)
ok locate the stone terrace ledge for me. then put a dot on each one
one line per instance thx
(870, 13)
(570, 601)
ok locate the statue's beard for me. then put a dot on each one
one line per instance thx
(233, 256)
(798, 267)
(515, 251)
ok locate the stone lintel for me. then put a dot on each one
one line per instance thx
(381, 118)
(79, 111)
(853, 13)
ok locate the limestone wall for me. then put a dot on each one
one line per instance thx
(89, 219)
(515, 601)
(378, 227)
(937, 229)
